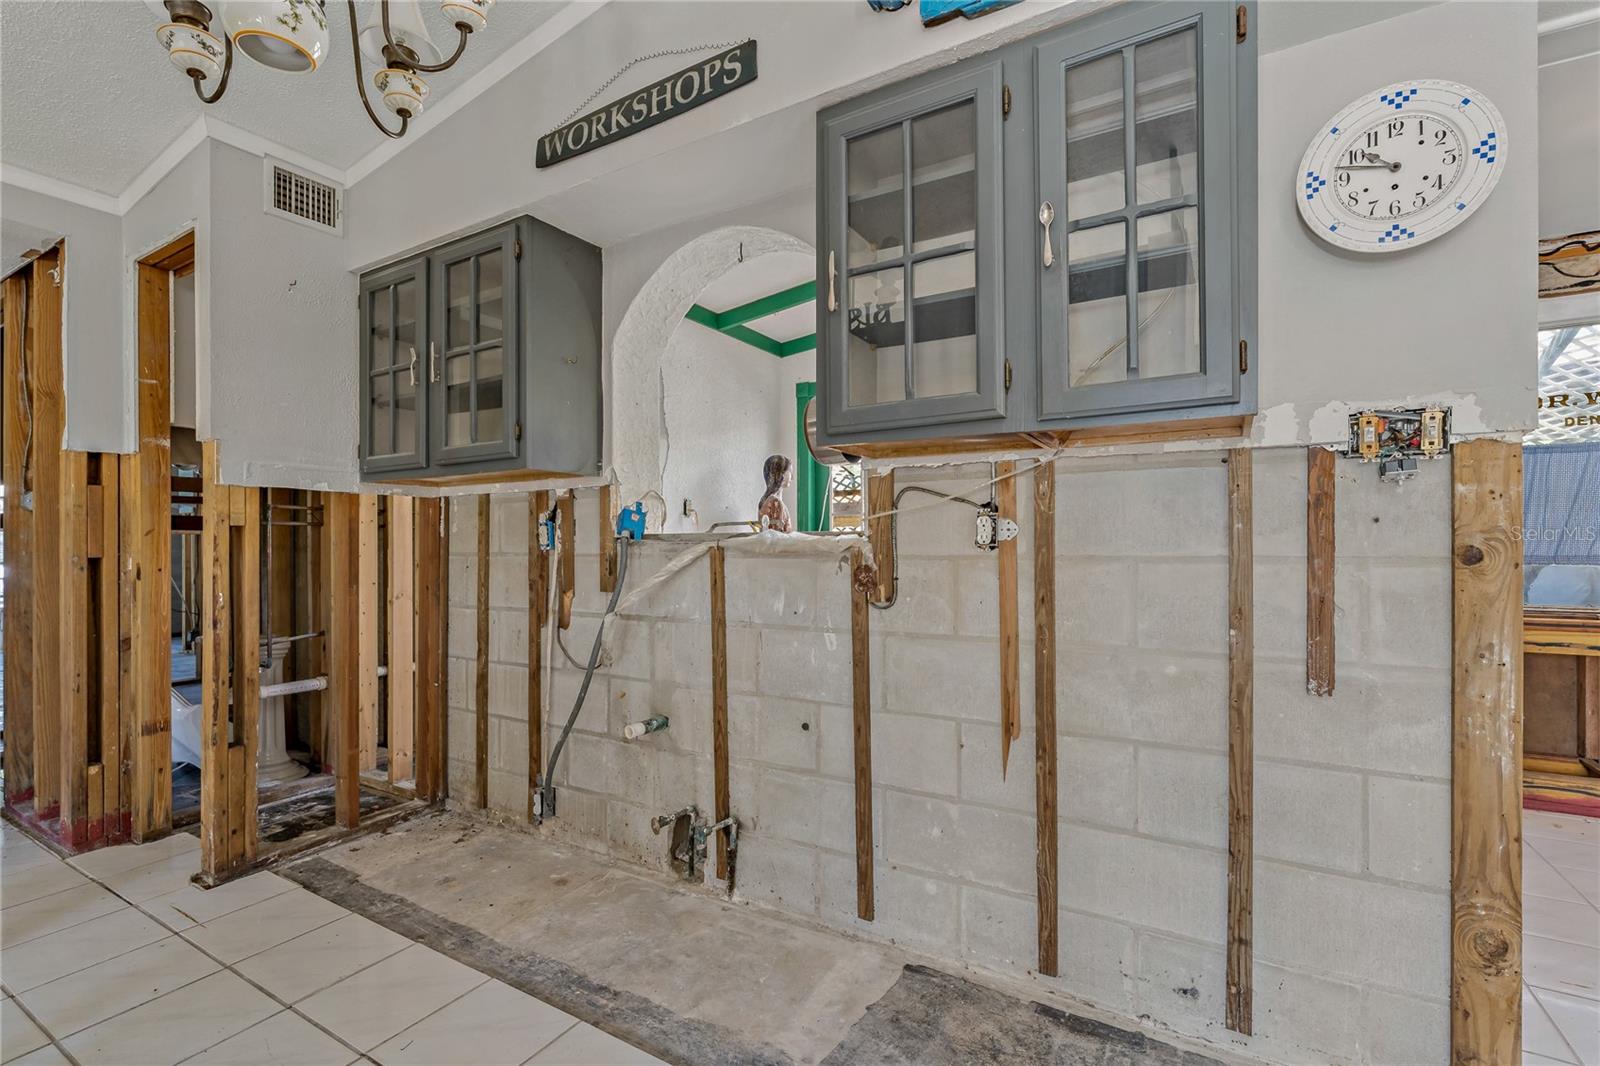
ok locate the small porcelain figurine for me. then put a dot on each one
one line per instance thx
(774, 514)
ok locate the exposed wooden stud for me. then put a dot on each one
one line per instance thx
(1486, 762)
(71, 642)
(49, 421)
(606, 533)
(368, 626)
(1044, 712)
(880, 532)
(538, 617)
(1588, 707)
(146, 557)
(403, 616)
(1010, 644)
(481, 694)
(719, 700)
(861, 700)
(1320, 481)
(245, 540)
(20, 560)
(1241, 742)
(343, 656)
(113, 786)
(431, 642)
(216, 597)
(566, 563)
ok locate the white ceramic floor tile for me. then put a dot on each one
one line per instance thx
(18, 1034)
(1539, 1033)
(312, 961)
(1561, 966)
(375, 1004)
(584, 1045)
(193, 905)
(1576, 854)
(70, 950)
(493, 1025)
(31, 882)
(105, 861)
(1585, 882)
(1578, 1020)
(1577, 923)
(20, 853)
(1550, 825)
(260, 926)
(284, 1038)
(174, 1027)
(1530, 1059)
(1539, 878)
(89, 996)
(40, 917)
(49, 1055)
(153, 879)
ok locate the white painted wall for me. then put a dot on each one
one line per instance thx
(282, 375)
(98, 380)
(722, 403)
(1447, 322)
(1569, 143)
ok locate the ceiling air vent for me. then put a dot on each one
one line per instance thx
(296, 195)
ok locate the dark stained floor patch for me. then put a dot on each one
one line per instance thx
(931, 1018)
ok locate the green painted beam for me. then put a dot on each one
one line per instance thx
(803, 293)
(807, 343)
(754, 339)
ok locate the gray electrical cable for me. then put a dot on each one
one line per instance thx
(547, 791)
(894, 533)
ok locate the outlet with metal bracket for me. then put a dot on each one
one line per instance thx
(1396, 438)
(992, 529)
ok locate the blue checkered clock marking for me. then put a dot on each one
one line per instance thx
(1395, 232)
(1465, 100)
(1334, 130)
(1461, 207)
(1485, 148)
(1399, 99)
(1314, 184)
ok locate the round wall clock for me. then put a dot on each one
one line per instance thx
(1401, 166)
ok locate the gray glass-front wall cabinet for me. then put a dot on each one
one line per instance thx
(1054, 235)
(483, 356)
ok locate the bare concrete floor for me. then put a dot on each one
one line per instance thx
(682, 974)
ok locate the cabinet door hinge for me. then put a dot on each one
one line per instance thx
(1244, 356)
(516, 430)
(1241, 23)
(1005, 101)
(1008, 375)
(516, 248)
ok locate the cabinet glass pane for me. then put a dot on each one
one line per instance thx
(458, 400)
(944, 191)
(491, 408)
(875, 181)
(491, 297)
(380, 342)
(1169, 294)
(378, 417)
(458, 304)
(405, 413)
(1095, 137)
(877, 357)
(405, 322)
(1097, 306)
(1166, 122)
(944, 353)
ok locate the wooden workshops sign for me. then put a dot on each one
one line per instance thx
(671, 96)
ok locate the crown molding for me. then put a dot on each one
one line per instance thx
(162, 165)
(60, 190)
(543, 35)
(1568, 21)
(255, 144)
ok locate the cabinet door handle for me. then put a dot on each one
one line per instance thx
(433, 362)
(1047, 215)
(833, 299)
(413, 368)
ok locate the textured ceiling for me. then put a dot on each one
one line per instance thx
(100, 119)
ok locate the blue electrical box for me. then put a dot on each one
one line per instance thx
(630, 521)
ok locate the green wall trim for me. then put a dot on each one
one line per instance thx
(731, 322)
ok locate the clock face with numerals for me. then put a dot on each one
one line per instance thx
(1401, 166)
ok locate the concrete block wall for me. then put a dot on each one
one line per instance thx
(1352, 791)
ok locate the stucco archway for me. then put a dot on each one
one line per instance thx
(636, 411)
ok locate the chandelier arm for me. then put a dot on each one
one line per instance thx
(461, 46)
(361, 86)
(227, 69)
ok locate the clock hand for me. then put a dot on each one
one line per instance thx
(1375, 158)
(1366, 166)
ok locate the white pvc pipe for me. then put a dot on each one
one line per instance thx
(310, 684)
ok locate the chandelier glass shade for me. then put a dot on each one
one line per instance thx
(292, 36)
